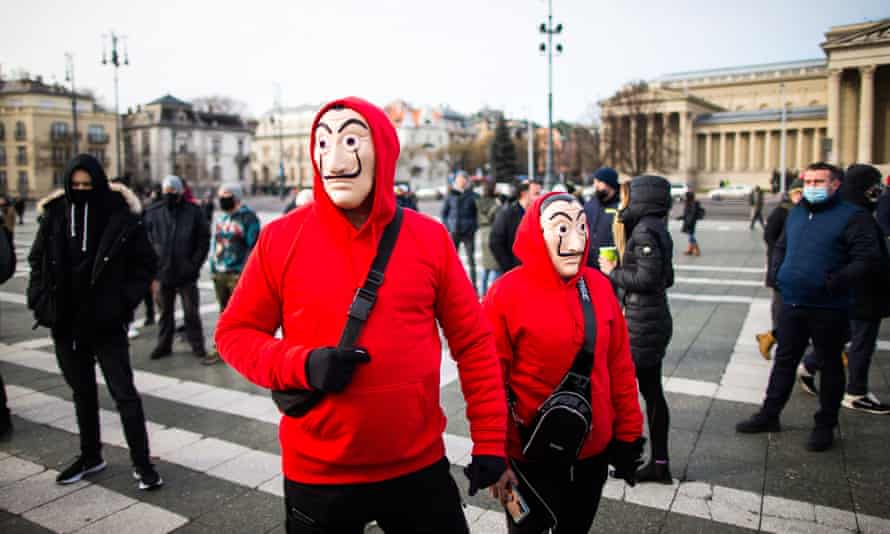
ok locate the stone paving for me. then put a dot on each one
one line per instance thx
(214, 436)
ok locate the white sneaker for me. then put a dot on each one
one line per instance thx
(132, 332)
(806, 380)
(865, 403)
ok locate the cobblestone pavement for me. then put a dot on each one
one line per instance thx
(214, 436)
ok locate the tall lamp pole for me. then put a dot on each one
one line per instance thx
(116, 60)
(550, 30)
(782, 140)
(69, 76)
(281, 178)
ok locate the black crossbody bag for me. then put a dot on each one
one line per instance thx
(565, 418)
(298, 402)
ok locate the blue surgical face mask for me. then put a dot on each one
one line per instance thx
(814, 195)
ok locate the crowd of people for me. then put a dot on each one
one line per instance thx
(339, 308)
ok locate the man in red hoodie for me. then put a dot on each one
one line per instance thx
(539, 327)
(372, 448)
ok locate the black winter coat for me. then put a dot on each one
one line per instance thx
(123, 267)
(181, 239)
(646, 271)
(775, 225)
(459, 212)
(503, 234)
(692, 213)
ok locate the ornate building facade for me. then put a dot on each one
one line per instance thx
(706, 126)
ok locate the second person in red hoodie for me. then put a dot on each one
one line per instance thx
(540, 327)
(372, 448)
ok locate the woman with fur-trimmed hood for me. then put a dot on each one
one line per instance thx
(91, 264)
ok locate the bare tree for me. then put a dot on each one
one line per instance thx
(634, 142)
(219, 104)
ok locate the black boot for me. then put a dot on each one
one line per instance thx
(655, 472)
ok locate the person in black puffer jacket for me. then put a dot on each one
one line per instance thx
(645, 273)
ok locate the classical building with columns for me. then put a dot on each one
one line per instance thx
(726, 124)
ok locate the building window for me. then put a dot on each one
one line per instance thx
(23, 183)
(21, 155)
(3, 181)
(146, 145)
(216, 146)
(58, 131)
(20, 131)
(58, 179)
(59, 155)
(2, 132)
(183, 149)
(96, 134)
(99, 154)
(217, 173)
(2, 155)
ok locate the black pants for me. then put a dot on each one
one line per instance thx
(469, 242)
(190, 304)
(827, 328)
(149, 307)
(77, 360)
(657, 414)
(776, 306)
(424, 502)
(757, 216)
(572, 496)
(863, 342)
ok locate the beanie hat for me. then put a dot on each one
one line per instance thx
(234, 189)
(173, 182)
(796, 185)
(608, 176)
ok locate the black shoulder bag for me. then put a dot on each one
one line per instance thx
(565, 418)
(298, 402)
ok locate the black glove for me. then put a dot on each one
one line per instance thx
(330, 369)
(484, 471)
(626, 457)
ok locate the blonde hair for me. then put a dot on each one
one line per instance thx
(618, 230)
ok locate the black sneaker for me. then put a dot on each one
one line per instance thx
(807, 380)
(80, 469)
(757, 424)
(655, 472)
(865, 403)
(149, 321)
(820, 439)
(148, 478)
(159, 353)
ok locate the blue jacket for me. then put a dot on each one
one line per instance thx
(599, 220)
(459, 212)
(824, 249)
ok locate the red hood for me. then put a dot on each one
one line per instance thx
(531, 249)
(386, 148)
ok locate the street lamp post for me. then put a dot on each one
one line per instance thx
(281, 177)
(782, 139)
(116, 61)
(69, 76)
(550, 30)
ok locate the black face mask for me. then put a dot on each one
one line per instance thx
(81, 197)
(603, 195)
(172, 199)
(227, 203)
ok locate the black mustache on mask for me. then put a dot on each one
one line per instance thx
(562, 254)
(341, 176)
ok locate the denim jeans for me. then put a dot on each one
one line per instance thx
(488, 278)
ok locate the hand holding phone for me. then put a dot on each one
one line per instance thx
(516, 505)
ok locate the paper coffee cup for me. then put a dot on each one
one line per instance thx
(610, 253)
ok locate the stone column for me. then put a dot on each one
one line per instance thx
(685, 157)
(737, 151)
(817, 144)
(633, 140)
(651, 143)
(722, 159)
(709, 152)
(752, 141)
(798, 156)
(767, 157)
(834, 113)
(866, 112)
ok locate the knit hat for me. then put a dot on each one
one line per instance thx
(172, 182)
(234, 189)
(796, 185)
(608, 176)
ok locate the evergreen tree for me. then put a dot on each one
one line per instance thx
(503, 154)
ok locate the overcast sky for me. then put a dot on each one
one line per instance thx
(465, 53)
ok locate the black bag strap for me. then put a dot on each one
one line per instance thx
(366, 296)
(583, 364)
(297, 402)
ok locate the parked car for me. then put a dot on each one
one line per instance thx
(678, 191)
(731, 192)
(429, 193)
